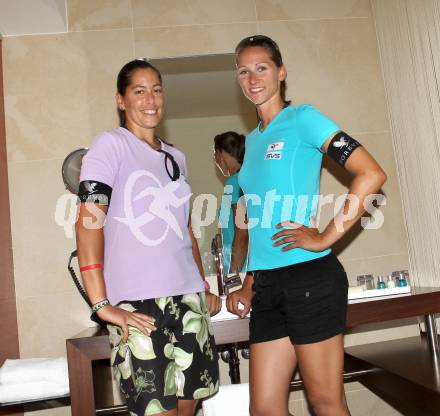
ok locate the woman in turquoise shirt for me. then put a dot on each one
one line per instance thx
(228, 155)
(298, 290)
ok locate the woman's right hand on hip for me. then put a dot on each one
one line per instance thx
(123, 319)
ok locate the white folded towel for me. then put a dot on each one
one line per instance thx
(29, 370)
(31, 391)
(231, 399)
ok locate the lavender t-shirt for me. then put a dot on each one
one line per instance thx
(148, 250)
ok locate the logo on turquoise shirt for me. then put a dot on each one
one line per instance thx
(274, 151)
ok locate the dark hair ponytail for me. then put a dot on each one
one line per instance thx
(274, 52)
(124, 80)
(232, 143)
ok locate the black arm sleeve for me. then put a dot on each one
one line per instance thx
(93, 191)
(341, 147)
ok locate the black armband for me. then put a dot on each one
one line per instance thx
(341, 147)
(93, 191)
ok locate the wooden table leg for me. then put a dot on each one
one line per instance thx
(230, 356)
(431, 333)
(82, 395)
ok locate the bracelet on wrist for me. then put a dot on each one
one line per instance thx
(99, 305)
(91, 267)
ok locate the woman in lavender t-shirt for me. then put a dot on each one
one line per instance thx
(139, 259)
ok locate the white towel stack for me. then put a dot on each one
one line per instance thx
(33, 379)
(231, 399)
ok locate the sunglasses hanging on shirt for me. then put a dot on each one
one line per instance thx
(175, 174)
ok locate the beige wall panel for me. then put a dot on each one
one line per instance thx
(190, 40)
(311, 9)
(153, 13)
(59, 90)
(389, 239)
(98, 14)
(45, 322)
(41, 247)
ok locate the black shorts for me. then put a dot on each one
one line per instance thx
(178, 361)
(306, 302)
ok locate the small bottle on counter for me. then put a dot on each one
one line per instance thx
(390, 282)
(369, 282)
(381, 283)
(402, 280)
(361, 282)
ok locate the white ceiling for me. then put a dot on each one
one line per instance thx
(26, 17)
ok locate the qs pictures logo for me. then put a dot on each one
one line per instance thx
(161, 199)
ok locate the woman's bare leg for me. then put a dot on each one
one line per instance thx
(169, 413)
(272, 364)
(186, 407)
(322, 365)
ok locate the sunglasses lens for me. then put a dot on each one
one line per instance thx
(175, 174)
(176, 170)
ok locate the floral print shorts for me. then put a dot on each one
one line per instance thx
(177, 361)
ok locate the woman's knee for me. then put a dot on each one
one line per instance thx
(327, 403)
(260, 409)
(268, 407)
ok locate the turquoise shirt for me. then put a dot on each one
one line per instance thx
(231, 195)
(280, 178)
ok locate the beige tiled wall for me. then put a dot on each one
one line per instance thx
(59, 92)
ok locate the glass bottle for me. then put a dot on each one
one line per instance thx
(380, 283)
(361, 282)
(369, 282)
(402, 280)
(390, 282)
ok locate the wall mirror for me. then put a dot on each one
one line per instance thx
(71, 169)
